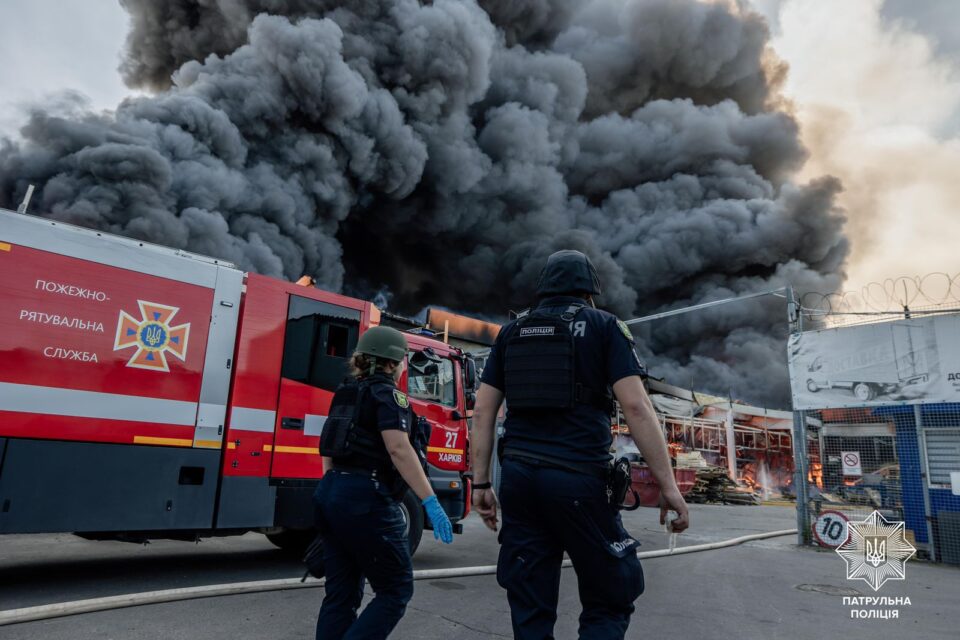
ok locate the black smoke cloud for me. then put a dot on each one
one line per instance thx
(441, 151)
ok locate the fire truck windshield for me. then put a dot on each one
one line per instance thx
(432, 381)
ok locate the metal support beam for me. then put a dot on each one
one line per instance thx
(925, 481)
(800, 449)
(800, 476)
(731, 446)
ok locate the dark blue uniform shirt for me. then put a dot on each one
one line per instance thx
(383, 408)
(604, 355)
(389, 409)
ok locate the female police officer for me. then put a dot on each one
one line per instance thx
(368, 463)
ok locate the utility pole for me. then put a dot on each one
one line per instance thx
(800, 474)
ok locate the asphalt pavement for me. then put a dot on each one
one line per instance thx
(765, 589)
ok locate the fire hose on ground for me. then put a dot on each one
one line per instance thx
(58, 610)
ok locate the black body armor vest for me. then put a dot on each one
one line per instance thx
(539, 365)
(349, 439)
(344, 437)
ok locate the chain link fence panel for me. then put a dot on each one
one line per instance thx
(902, 461)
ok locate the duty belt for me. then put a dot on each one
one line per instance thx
(537, 460)
(363, 471)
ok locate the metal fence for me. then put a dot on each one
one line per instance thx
(889, 449)
(902, 460)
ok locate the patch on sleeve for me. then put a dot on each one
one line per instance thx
(625, 330)
(401, 399)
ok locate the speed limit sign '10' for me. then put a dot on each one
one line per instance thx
(830, 529)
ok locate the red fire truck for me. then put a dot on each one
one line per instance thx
(147, 392)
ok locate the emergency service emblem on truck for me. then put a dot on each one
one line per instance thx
(152, 336)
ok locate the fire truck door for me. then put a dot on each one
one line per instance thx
(431, 383)
(319, 338)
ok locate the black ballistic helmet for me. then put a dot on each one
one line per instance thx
(568, 271)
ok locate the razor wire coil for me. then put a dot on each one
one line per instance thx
(892, 298)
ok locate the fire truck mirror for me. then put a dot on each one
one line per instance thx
(470, 375)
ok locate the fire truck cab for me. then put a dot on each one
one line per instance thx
(146, 392)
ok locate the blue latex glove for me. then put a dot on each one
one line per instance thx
(442, 529)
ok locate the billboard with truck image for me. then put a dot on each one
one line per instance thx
(912, 360)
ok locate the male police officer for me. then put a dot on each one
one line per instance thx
(556, 367)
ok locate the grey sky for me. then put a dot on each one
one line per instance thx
(936, 20)
(939, 20)
(53, 45)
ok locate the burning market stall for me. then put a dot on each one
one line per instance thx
(739, 453)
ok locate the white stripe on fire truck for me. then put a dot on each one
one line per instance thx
(246, 419)
(55, 401)
(313, 424)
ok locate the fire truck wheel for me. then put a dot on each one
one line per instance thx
(864, 391)
(292, 541)
(413, 516)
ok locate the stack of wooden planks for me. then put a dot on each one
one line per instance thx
(713, 485)
(691, 460)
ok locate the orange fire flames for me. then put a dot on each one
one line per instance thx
(815, 474)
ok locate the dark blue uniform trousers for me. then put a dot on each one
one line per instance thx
(546, 512)
(363, 537)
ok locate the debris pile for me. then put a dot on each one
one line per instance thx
(713, 485)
